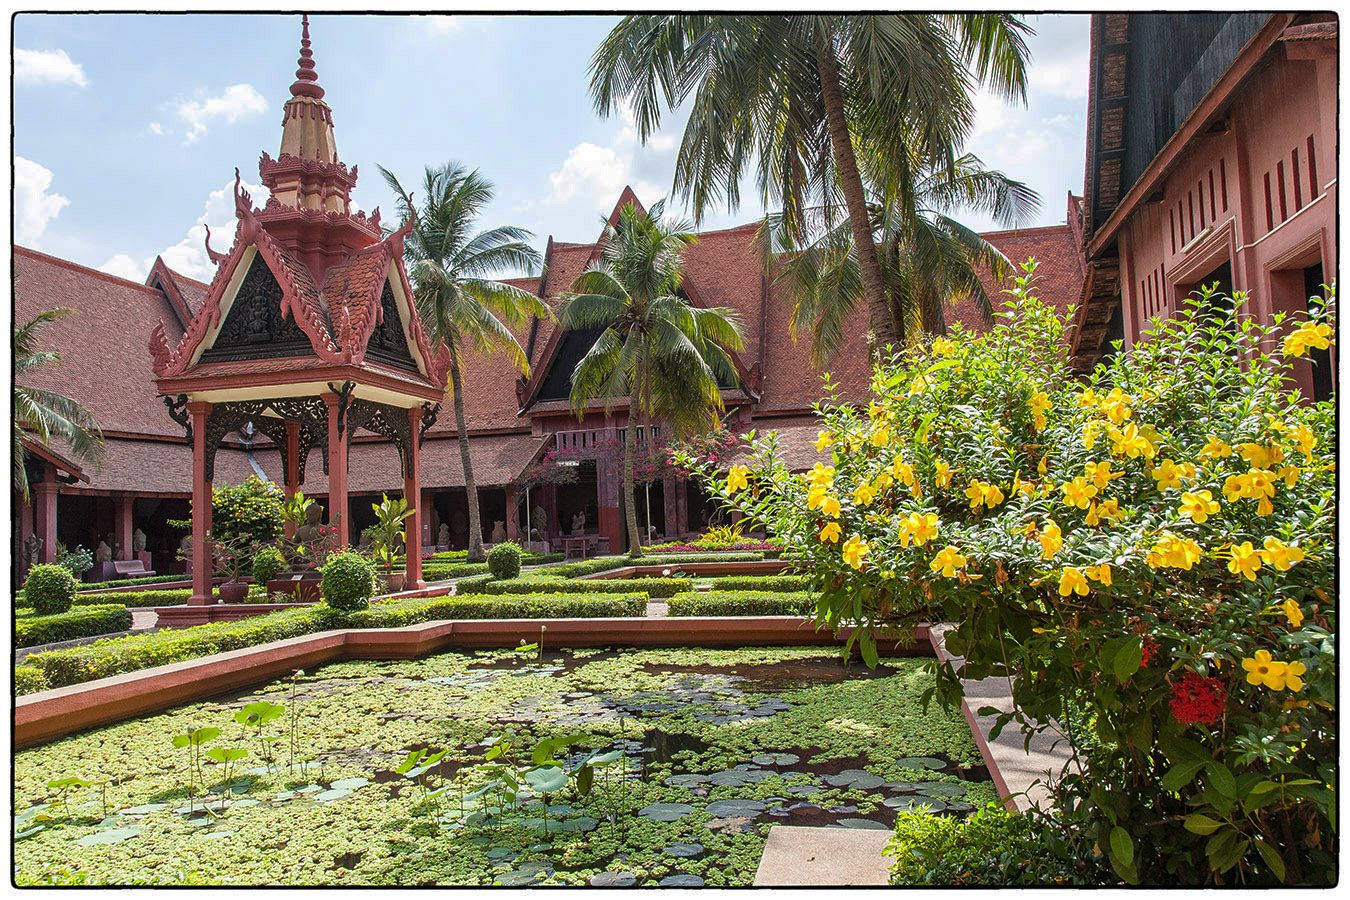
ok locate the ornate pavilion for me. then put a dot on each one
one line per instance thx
(305, 338)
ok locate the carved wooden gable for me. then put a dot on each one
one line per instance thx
(388, 344)
(254, 327)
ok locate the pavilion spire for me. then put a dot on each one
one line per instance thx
(306, 78)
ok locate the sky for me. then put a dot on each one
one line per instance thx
(128, 128)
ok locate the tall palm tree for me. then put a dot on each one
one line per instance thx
(796, 93)
(657, 350)
(461, 305)
(44, 414)
(927, 256)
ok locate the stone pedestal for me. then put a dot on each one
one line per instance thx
(145, 556)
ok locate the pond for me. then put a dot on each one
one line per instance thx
(693, 755)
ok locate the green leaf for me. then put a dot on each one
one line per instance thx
(1201, 824)
(411, 760)
(1122, 847)
(585, 778)
(1221, 780)
(1127, 659)
(1272, 858)
(868, 646)
(546, 779)
(1180, 775)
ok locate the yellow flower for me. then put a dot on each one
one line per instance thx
(1308, 335)
(816, 496)
(1279, 555)
(1040, 405)
(881, 437)
(948, 560)
(918, 385)
(902, 471)
(883, 481)
(1078, 492)
(983, 493)
(1292, 612)
(736, 479)
(1306, 440)
(830, 533)
(943, 347)
(1100, 473)
(1168, 474)
(1088, 399)
(1100, 572)
(1051, 539)
(1290, 475)
(821, 475)
(943, 474)
(1116, 406)
(1041, 466)
(1072, 581)
(1244, 560)
(1215, 448)
(855, 551)
(1173, 552)
(1199, 505)
(1090, 433)
(1128, 441)
(1293, 676)
(1260, 456)
(1261, 669)
(823, 439)
(830, 506)
(1025, 488)
(1105, 511)
(918, 527)
(863, 494)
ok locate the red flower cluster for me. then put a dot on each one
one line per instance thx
(1198, 699)
(1150, 648)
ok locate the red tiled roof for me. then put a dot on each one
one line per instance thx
(156, 467)
(796, 442)
(1059, 273)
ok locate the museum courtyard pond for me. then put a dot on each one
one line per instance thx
(624, 767)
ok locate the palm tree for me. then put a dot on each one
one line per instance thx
(44, 414)
(461, 306)
(657, 350)
(927, 256)
(796, 92)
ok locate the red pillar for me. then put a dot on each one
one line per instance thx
(123, 505)
(201, 508)
(292, 474)
(337, 471)
(412, 492)
(44, 509)
(25, 531)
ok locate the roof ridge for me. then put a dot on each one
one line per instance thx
(1062, 226)
(81, 267)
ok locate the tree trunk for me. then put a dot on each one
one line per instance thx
(476, 553)
(630, 449)
(884, 326)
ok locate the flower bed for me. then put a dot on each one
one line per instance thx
(79, 622)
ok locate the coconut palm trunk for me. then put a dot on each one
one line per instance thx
(630, 449)
(884, 326)
(476, 553)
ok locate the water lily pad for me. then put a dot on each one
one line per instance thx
(902, 804)
(350, 784)
(959, 807)
(727, 808)
(903, 787)
(144, 809)
(529, 873)
(613, 879)
(332, 794)
(685, 781)
(921, 762)
(665, 812)
(775, 759)
(680, 880)
(309, 789)
(684, 851)
(804, 789)
(942, 789)
(864, 823)
(108, 836)
(857, 779)
(502, 853)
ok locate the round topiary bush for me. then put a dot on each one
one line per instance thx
(49, 589)
(348, 581)
(504, 560)
(268, 563)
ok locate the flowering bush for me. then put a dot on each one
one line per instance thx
(1147, 552)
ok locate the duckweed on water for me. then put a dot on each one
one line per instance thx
(718, 746)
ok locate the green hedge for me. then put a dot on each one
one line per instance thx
(662, 559)
(79, 622)
(129, 582)
(442, 571)
(168, 597)
(582, 567)
(741, 603)
(784, 583)
(28, 679)
(115, 656)
(653, 587)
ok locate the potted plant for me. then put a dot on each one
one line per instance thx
(232, 558)
(389, 539)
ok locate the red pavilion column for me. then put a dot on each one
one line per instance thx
(44, 509)
(337, 470)
(292, 473)
(123, 504)
(412, 493)
(513, 513)
(201, 507)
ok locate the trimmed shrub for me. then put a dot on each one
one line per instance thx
(348, 581)
(49, 589)
(28, 679)
(268, 563)
(137, 599)
(443, 571)
(503, 560)
(132, 582)
(79, 622)
(741, 603)
(664, 559)
(992, 848)
(544, 559)
(784, 583)
(115, 656)
(652, 587)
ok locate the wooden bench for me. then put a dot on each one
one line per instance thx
(131, 568)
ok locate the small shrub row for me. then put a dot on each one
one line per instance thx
(652, 587)
(116, 656)
(543, 559)
(661, 559)
(79, 622)
(133, 582)
(582, 567)
(741, 603)
(137, 599)
(784, 583)
(442, 571)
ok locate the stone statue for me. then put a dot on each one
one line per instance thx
(443, 536)
(309, 531)
(103, 553)
(499, 532)
(32, 549)
(138, 541)
(185, 550)
(539, 519)
(579, 522)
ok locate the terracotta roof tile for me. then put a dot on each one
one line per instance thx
(158, 467)
(1059, 275)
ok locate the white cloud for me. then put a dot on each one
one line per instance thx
(124, 266)
(445, 26)
(236, 102)
(156, 129)
(1066, 77)
(48, 67)
(34, 205)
